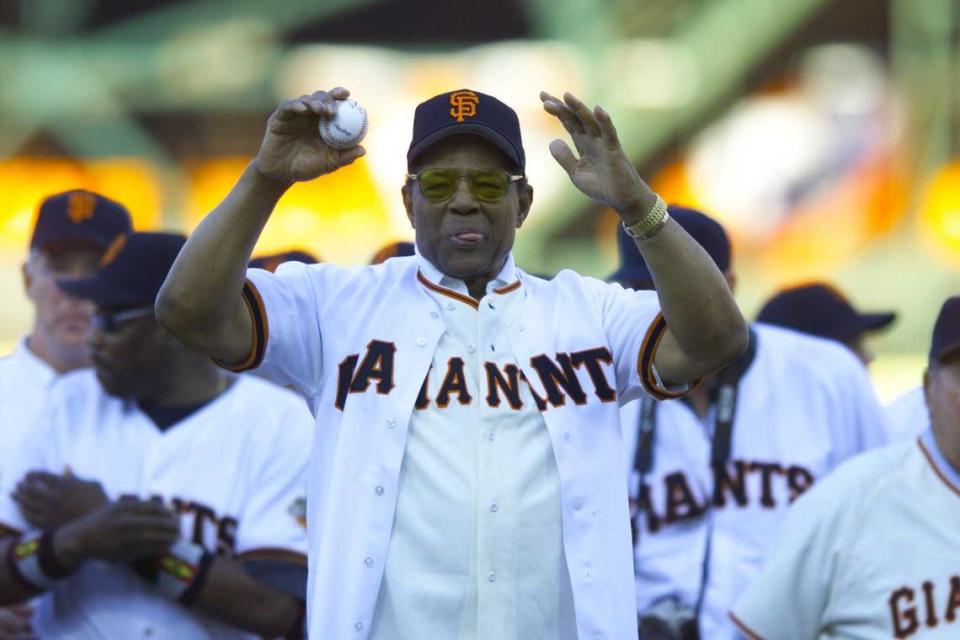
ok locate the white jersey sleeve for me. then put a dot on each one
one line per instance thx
(788, 599)
(634, 327)
(37, 452)
(908, 416)
(284, 307)
(864, 417)
(272, 524)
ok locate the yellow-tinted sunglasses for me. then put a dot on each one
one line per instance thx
(487, 185)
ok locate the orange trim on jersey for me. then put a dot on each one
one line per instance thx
(450, 293)
(274, 553)
(508, 288)
(261, 330)
(936, 469)
(648, 351)
(744, 629)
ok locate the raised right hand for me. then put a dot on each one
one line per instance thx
(292, 150)
(119, 531)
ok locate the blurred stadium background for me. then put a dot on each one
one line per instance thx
(823, 133)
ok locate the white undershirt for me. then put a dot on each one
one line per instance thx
(476, 550)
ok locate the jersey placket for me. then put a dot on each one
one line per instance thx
(496, 515)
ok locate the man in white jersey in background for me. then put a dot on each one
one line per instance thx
(70, 232)
(712, 476)
(872, 552)
(160, 497)
(466, 475)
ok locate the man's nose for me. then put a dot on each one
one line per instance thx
(462, 201)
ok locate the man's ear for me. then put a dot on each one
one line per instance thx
(27, 278)
(407, 194)
(525, 196)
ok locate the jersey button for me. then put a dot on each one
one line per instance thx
(391, 423)
(379, 490)
(434, 315)
(492, 577)
(421, 342)
(494, 508)
(358, 626)
(578, 504)
(471, 348)
(368, 561)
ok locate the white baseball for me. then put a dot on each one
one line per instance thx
(347, 128)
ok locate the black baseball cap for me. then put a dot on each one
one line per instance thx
(470, 112)
(79, 216)
(272, 261)
(821, 310)
(946, 331)
(393, 250)
(131, 271)
(708, 233)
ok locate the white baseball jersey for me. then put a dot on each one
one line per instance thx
(25, 381)
(803, 406)
(908, 416)
(360, 342)
(870, 553)
(235, 470)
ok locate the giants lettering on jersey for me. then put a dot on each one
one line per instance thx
(558, 375)
(929, 606)
(217, 534)
(730, 487)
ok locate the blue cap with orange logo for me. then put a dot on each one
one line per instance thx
(79, 216)
(469, 112)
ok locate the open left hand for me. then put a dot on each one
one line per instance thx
(49, 500)
(603, 171)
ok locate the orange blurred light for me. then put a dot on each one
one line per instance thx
(340, 217)
(24, 182)
(940, 213)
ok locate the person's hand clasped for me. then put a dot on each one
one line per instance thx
(48, 500)
(120, 531)
(292, 150)
(602, 171)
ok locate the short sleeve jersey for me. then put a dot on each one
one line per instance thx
(803, 406)
(359, 343)
(235, 470)
(869, 553)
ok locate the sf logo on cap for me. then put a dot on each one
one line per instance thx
(464, 104)
(80, 206)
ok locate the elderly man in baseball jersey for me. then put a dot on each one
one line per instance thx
(71, 231)
(466, 466)
(712, 476)
(872, 551)
(180, 512)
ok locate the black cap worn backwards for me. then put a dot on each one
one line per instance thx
(708, 233)
(131, 271)
(274, 260)
(470, 112)
(79, 217)
(946, 331)
(821, 310)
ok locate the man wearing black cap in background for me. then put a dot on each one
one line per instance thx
(712, 475)
(159, 496)
(871, 552)
(71, 231)
(819, 309)
(467, 455)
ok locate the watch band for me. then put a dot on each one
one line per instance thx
(651, 223)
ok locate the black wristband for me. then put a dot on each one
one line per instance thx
(190, 595)
(47, 557)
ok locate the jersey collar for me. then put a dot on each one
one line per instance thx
(34, 367)
(946, 471)
(507, 278)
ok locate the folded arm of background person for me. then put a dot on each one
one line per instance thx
(129, 529)
(705, 328)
